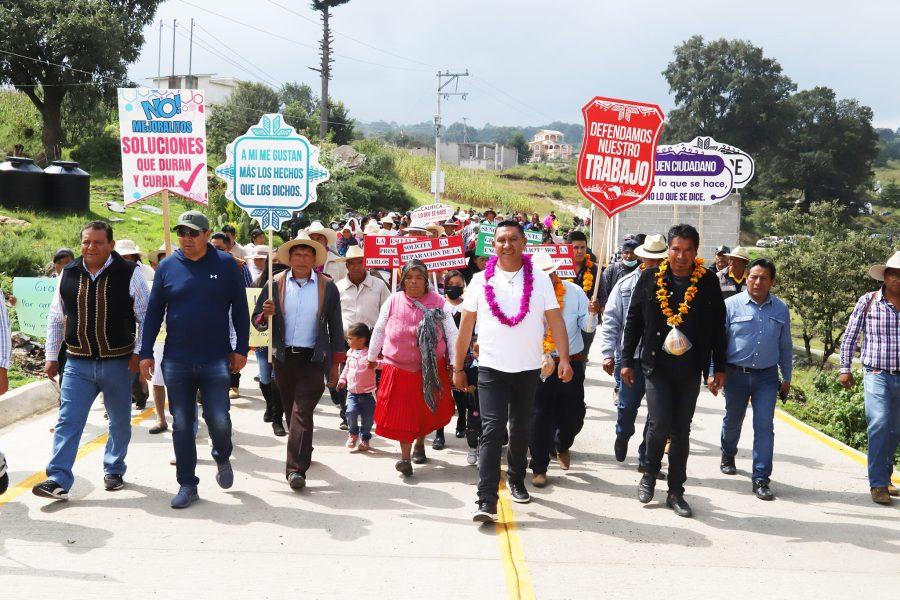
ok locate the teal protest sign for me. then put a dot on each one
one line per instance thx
(33, 297)
(484, 245)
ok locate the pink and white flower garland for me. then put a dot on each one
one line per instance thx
(491, 298)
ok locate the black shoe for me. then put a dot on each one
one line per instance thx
(677, 503)
(646, 488)
(278, 429)
(50, 489)
(404, 467)
(296, 481)
(762, 491)
(418, 457)
(621, 449)
(343, 426)
(4, 483)
(158, 429)
(141, 405)
(460, 434)
(113, 482)
(267, 417)
(486, 512)
(661, 476)
(438, 443)
(518, 492)
(727, 465)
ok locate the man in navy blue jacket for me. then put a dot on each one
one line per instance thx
(201, 294)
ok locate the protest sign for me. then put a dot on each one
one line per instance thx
(438, 254)
(163, 143)
(615, 167)
(383, 251)
(560, 253)
(742, 164)
(433, 213)
(484, 243)
(33, 297)
(689, 175)
(258, 339)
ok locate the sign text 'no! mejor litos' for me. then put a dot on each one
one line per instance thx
(271, 171)
(163, 143)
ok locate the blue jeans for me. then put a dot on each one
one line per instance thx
(629, 401)
(761, 390)
(84, 379)
(363, 407)
(883, 418)
(183, 381)
(265, 367)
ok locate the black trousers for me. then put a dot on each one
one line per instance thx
(671, 399)
(504, 398)
(559, 411)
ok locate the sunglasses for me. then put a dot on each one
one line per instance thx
(186, 232)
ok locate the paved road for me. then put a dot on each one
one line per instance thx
(359, 530)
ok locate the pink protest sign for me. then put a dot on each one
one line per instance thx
(438, 254)
(383, 251)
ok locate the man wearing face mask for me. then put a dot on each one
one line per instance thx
(620, 269)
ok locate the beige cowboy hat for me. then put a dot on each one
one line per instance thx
(544, 262)
(128, 248)
(159, 254)
(739, 252)
(352, 252)
(317, 227)
(414, 230)
(372, 228)
(387, 220)
(283, 254)
(877, 271)
(654, 246)
(261, 251)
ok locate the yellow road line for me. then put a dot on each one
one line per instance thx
(829, 441)
(35, 478)
(518, 581)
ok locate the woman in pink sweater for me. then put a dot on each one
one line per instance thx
(415, 337)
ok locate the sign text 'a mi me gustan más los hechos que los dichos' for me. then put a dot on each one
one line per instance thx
(163, 143)
(616, 164)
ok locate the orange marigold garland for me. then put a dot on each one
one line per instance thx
(587, 281)
(560, 290)
(674, 318)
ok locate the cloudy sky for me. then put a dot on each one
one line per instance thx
(531, 61)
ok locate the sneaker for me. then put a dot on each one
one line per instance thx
(472, 456)
(297, 481)
(187, 495)
(225, 475)
(113, 482)
(352, 441)
(486, 512)
(518, 492)
(234, 393)
(50, 489)
(364, 446)
(159, 428)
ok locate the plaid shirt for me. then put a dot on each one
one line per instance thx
(879, 322)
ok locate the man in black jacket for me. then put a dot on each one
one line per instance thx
(307, 342)
(673, 373)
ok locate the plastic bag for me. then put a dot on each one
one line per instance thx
(547, 367)
(676, 343)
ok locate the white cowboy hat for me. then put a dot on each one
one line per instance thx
(352, 252)
(544, 262)
(877, 271)
(387, 219)
(284, 251)
(414, 230)
(260, 251)
(372, 228)
(317, 227)
(160, 252)
(739, 252)
(127, 248)
(654, 246)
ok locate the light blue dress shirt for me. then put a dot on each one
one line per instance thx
(614, 314)
(575, 315)
(301, 307)
(759, 335)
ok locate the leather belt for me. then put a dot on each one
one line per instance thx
(580, 357)
(298, 350)
(747, 369)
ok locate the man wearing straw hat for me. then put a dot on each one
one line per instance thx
(387, 226)
(733, 279)
(362, 295)
(877, 318)
(326, 237)
(307, 340)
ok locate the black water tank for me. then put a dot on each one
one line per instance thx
(21, 184)
(68, 188)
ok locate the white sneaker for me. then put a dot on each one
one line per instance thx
(472, 456)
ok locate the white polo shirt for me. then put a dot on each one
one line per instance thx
(510, 349)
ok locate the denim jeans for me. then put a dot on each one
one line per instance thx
(84, 379)
(361, 406)
(265, 367)
(760, 390)
(882, 392)
(183, 381)
(629, 401)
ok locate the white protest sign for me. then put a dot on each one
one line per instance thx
(687, 175)
(742, 164)
(432, 213)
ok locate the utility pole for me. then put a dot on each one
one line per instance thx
(174, 26)
(324, 70)
(159, 55)
(465, 131)
(444, 80)
(191, 49)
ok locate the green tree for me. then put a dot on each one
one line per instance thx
(238, 113)
(340, 125)
(49, 48)
(890, 194)
(822, 271)
(324, 8)
(518, 141)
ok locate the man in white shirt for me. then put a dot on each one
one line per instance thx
(362, 295)
(510, 301)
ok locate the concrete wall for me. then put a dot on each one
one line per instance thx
(721, 222)
(490, 157)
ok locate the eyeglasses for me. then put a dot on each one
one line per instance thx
(186, 232)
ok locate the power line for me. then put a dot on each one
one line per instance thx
(47, 62)
(526, 105)
(211, 50)
(226, 46)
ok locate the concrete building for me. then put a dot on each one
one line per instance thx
(487, 157)
(549, 144)
(216, 88)
(721, 223)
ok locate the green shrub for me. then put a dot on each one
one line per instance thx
(99, 155)
(557, 194)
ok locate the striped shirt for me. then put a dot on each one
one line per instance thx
(879, 323)
(5, 337)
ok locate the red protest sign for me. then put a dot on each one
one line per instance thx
(561, 253)
(383, 251)
(438, 254)
(616, 166)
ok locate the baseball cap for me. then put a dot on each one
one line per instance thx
(193, 219)
(722, 250)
